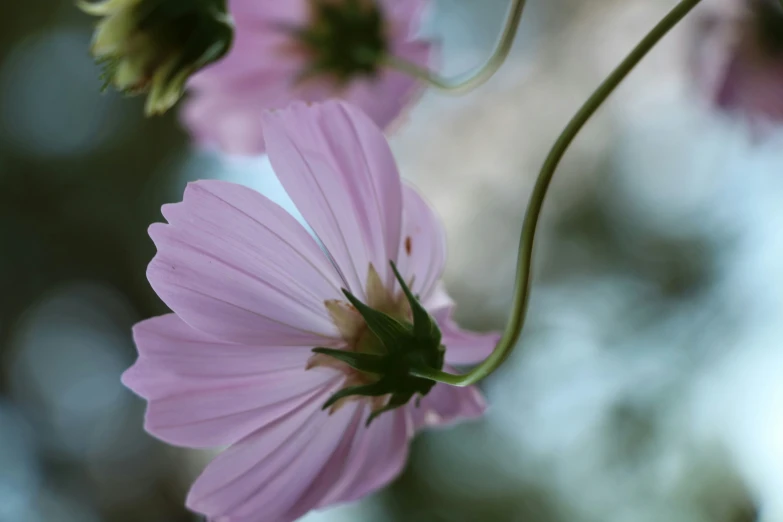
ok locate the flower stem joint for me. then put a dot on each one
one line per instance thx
(405, 347)
(154, 46)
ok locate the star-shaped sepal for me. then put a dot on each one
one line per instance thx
(405, 347)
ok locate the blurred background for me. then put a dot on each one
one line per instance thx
(647, 386)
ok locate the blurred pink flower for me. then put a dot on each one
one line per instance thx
(308, 50)
(253, 292)
(739, 57)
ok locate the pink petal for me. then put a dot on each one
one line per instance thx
(232, 71)
(445, 405)
(438, 299)
(378, 455)
(251, 12)
(422, 254)
(206, 393)
(337, 168)
(333, 471)
(386, 97)
(463, 347)
(269, 474)
(176, 347)
(407, 14)
(228, 97)
(236, 266)
(231, 121)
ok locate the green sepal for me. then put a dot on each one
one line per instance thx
(395, 401)
(365, 362)
(408, 348)
(388, 329)
(424, 327)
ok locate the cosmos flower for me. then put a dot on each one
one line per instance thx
(309, 50)
(739, 58)
(253, 293)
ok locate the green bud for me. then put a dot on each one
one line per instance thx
(154, 46)
(405, 347)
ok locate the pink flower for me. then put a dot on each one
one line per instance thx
(309, 50)
(739, 58)
(253, 293)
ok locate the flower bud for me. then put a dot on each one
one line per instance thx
(154, 46)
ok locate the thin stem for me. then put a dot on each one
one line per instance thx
(470, 81)
(523, 280)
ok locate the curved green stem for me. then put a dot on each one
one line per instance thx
(523, 280)
(472, 80)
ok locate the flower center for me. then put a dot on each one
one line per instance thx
(344, 39)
